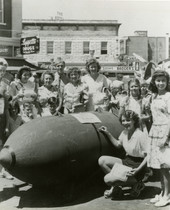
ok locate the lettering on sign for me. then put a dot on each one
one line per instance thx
(124, 68)
(30, 45)
(47, 65)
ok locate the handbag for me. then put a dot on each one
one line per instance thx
(119, 173)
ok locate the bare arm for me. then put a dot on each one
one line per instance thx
(114, 141)
(136, 170)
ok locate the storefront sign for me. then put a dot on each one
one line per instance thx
(47, 65)
(124, 68)
(141, 33)
(30, 45)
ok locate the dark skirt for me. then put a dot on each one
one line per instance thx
(134, 162)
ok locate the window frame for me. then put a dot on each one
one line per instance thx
(104, 50)
(86, 49)
(68, 49)
(50, 49)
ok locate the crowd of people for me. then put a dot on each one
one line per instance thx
(143, 109)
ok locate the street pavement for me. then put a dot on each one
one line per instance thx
(15, 194)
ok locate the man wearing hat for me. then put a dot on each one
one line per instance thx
(60, 77)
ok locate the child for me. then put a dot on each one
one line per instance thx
(134, 142)
(28, 112)
(52, 105)
(75, 93)
(116, 96)
(160, 132)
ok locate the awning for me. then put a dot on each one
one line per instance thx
(14, 64)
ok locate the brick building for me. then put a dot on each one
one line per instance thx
(75, 40)
(150, 48)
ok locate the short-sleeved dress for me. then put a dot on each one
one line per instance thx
(160, 108)
(95, 90)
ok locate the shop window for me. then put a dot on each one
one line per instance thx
(50, 47)
(86, 47)
(103, 48)
(67, 47)
(1, 11)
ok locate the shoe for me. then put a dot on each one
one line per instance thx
(117, 193)
(2, 175)
(163, 202)
(108, 193)
(137, 189)
(156, 198)
(10, 177)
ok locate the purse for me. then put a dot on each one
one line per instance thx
(119, 172)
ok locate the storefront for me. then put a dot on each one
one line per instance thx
(14, 64)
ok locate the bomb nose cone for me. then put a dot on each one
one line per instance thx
(7, 157)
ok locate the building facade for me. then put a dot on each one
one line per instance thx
(149, 48)
(10, 27)
(75, 41)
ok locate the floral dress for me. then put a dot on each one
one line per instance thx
(160, 108)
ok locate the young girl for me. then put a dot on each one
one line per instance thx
(75, 93)
(134, 142)
(51, 108)
(159, 133)
(134, 102)
(28, 113)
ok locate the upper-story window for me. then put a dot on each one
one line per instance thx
(1, 11)
(103, 48)
(86, 47)
(50, 47)
(67, 47)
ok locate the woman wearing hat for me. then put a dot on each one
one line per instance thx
(98, 86)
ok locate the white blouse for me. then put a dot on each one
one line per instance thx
(137, 145)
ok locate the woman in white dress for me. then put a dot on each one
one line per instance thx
(159, 134)
(98, 85)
